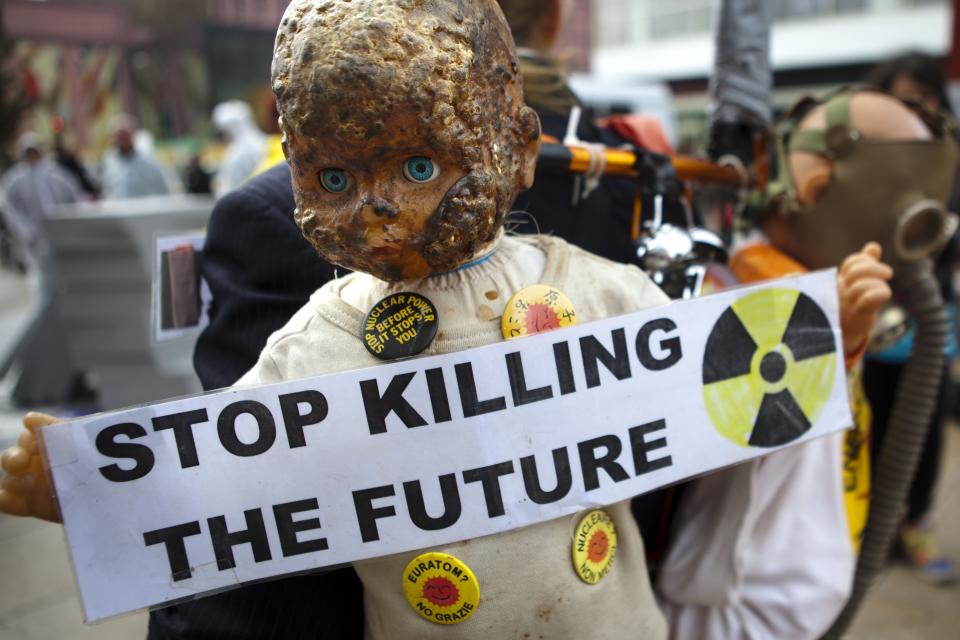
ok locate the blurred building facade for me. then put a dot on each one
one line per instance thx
(168, 63)
(816, 44)
(576, 38)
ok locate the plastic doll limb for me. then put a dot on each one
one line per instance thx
(26, 488)
(862, 284)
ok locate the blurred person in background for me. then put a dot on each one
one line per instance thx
(920, 79)
(32, 188)
(600, 221)
(913, 76)
(196, 178)
(69, 162)
(146, 144)
(246, 145)
(270, 124)
(128, 172)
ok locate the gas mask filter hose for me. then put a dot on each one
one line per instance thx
(914, 403)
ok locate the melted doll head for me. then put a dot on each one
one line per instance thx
(405, 129)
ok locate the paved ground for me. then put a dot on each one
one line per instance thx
(38, 597)
(903, 607)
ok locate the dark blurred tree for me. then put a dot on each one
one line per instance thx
(12, 102)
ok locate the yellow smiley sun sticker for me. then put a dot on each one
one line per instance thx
(594, 546)
(441, 588)
(537, 309)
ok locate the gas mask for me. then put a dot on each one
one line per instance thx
(892, 192)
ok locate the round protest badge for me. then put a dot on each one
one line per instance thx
(441, 588)
(399, 326)
(594, 546)
(537, 309)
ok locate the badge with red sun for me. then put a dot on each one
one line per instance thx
(537, 309)
(441, 588)
(594, 546)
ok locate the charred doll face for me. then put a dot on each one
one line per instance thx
(369, 207)
(404, 126)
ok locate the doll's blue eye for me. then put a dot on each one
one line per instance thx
(420, 169)
(334, 180)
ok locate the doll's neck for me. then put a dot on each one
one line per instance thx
(479, 257)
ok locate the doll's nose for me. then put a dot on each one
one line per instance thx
(373, 206)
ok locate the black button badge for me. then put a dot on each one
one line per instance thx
(399, 326)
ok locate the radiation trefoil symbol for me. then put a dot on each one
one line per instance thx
(769, 368)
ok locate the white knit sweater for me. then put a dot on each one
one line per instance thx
(529, 588)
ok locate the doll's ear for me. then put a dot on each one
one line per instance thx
(530, 123)
(530, 154)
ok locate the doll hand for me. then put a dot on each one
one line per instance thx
(863, 288)
(26, 488)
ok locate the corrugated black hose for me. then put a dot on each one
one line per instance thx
(914, 404)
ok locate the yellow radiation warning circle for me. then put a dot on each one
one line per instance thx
(441, 588)
(768, 368)
(594, 546)
(537, 309)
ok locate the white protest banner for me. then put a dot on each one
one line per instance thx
(174, 500)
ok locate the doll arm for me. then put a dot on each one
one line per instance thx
(863, 289)
(26, 488)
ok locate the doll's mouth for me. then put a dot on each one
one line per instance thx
(385, 250)
(386, 240)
